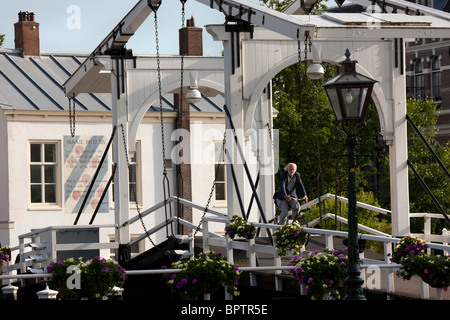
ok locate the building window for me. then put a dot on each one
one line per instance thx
(134, 176)
(219, 172)
(436, 78)
(44, 173)
(419, 89)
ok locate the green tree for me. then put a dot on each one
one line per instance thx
(2, 38)
(424, 115)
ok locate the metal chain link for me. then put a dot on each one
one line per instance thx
(158, 66)
(72, 115)
(165, 179)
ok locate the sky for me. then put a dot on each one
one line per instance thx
(80, 25)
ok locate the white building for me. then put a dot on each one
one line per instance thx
(45, 172)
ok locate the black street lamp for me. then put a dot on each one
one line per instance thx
(349, 94)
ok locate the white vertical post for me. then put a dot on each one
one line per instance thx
(120, 120)
(277, 261)
(398, 152)
(205, 235)
(21, 255)
(252, 260)
(424, 290)
(54, 255)
(426, 226)
(389, 274)
(233, 100)
(445, 234)
(329, 241)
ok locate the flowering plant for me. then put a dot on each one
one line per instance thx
(290, 237)
(240, 227)
(198, 275)
(406, 250)
(5, 253)
(321, 272)
(411, 253)
(434, 270)
(97, 277)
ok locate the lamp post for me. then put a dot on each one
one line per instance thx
(349, 94)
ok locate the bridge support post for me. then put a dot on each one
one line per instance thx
(398, 152)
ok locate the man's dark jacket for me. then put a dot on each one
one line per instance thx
(283, 189)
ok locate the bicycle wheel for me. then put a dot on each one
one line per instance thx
(301, 219)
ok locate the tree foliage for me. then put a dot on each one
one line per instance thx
(424, 115)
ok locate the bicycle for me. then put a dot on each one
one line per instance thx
(300, 218)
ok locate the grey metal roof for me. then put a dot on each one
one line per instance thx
(36, 83)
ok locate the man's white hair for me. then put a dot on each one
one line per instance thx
(286, 168)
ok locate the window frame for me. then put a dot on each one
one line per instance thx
(436, 72)
(418, 74)
(138, 183)
(43, 205)
(219, 202)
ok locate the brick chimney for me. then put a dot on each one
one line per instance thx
(192, 39)
(26, 34)
(191, 44)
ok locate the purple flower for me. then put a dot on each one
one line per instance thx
(194, 281)
(60, 262)
(310, 280)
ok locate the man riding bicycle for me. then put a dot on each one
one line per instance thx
(290, 180)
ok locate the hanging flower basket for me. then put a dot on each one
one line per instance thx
(241, 228)
(409, 247)
(406, 250)
(321, 273)
(434, 270)
(290, 238)
(204, 274)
